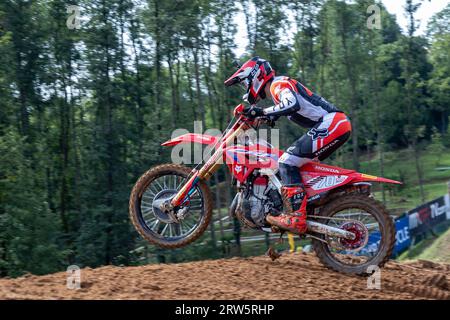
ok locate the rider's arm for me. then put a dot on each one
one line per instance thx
(288, 104)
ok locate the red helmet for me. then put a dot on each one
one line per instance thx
(253, 75)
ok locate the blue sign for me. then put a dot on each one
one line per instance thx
(426, 216)
(402, 236)
(414, 222)
(371, 247)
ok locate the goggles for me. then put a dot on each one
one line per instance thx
(245, 84)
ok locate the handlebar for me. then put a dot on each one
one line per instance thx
(268, 120)
(256, 122)
(240, 113)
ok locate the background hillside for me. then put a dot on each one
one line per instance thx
(84, 108)
(439, 250)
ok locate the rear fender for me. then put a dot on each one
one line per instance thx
(319, 178)
(313, 169)
(362, 177)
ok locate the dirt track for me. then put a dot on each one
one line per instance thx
(237, 278)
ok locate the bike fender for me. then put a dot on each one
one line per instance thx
(191, 138)
(368, 178)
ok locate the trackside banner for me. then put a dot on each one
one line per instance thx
(403, 239)
(402, 235)
(424, 217)
(412, 223)
(447, 203)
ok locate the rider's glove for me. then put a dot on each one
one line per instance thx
(253, 112)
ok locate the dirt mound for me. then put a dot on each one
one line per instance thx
(237, 278)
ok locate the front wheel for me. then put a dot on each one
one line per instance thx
(161, 183)
(374, 230)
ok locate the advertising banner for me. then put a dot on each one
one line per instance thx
(402, 235)
(424, 217)
(403, 239)
(447, 204)
(414, 222)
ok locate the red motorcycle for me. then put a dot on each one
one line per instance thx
(171, 205)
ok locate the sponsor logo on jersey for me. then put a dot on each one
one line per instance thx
(328, 146)
(316, 133)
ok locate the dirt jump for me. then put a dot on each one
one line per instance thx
(237, 279)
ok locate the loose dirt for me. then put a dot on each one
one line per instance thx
(293, 276)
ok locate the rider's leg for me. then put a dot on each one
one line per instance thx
(294, 219)
(329, 135)
(322, 140)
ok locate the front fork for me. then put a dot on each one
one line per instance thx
(183, 195)
(208, 169)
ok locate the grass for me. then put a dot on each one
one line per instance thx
(435, 249)
(439, 250)
(416, 250)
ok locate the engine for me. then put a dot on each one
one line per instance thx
(259, 199)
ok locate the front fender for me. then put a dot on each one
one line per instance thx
(191, 138)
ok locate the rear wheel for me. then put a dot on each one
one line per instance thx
(374, 230)
(159, 184)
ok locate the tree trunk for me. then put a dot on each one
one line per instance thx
(419, 170)
(189, 84)
(139, 111)
(158, 78)
(174, 116)
(219, 211)
(202, 115)
(354, 97)
(380, 140)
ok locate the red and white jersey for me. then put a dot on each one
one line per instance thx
(300, 104)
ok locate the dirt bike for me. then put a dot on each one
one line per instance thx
(171, 205)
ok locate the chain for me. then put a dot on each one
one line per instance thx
(317, 238)
(331, 218)
(330, 242)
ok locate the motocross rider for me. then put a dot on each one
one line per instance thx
(328, 126)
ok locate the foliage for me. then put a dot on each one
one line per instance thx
(83, 111)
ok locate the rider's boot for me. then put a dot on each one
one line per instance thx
(293, 220)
